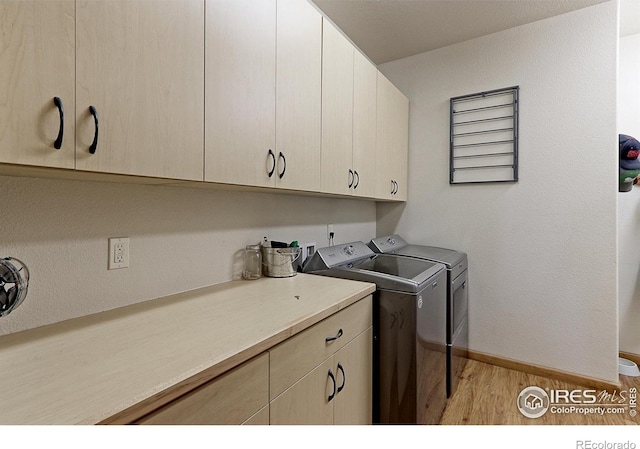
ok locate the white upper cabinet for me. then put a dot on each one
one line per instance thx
(260, 93)
(240, 92)
(337, 112)
(298, 95)
(37, 65)
(392, 141)
(348, 117)
(365, 79)
(140, 87)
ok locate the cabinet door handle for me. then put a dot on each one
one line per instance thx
(328, 339)
(273, 158)
(94, 144)
(393, 187)
(333, 379)
(351, 178)
(355, 186)
(284, 168)
(58, 143)
(344, 377)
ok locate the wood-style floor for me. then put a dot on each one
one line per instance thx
(487, 394)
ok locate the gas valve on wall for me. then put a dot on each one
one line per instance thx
(14, 280)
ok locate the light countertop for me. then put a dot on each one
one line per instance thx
(118, 365)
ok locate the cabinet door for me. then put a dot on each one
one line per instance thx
(295, 357)
(298, 95)
(140, 64)
(392, 140)
(365, 76)
(240, 95)
(37, 63)
(337, 111)
(307, 401)
(232, 398)
(353, 403)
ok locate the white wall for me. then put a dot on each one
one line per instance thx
(542, 252)
(629, 202)
(181, 239)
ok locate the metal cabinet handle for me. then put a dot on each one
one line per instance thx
(333, 379)
(273, 158)
(393, 186)
(94, 144)
(328, 339)
(355, 186)
(284, 168)
(344, 377)
(58, 143)
(351, 178)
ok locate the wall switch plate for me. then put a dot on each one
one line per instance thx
(311, 249)
(306, 251)
(118, 253)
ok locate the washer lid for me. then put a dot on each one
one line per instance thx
(449, 257)
(389, 272)
(401, 274)
(394, 244)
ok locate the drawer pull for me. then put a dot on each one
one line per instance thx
(344, 377)
(94, 144)
(273, 158)
(328, 339)
(284, 166)
(333, 379)
(58, 143)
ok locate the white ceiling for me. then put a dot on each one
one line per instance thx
(386, 30)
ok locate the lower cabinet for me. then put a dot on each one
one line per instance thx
(237, 397)
(338, 391)
(322, 375)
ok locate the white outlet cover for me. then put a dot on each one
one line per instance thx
(118, 253)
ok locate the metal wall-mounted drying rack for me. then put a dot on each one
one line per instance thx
(484, 137)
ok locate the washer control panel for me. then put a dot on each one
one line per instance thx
(337, 255)
(388, 244)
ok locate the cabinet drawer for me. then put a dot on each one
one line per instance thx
(229, 399)
(294, 358)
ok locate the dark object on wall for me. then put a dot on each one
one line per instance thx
(629, 150)
(14, 280)
(483, 144)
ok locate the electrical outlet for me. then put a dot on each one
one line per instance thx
(329, 231)
(118, 253)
